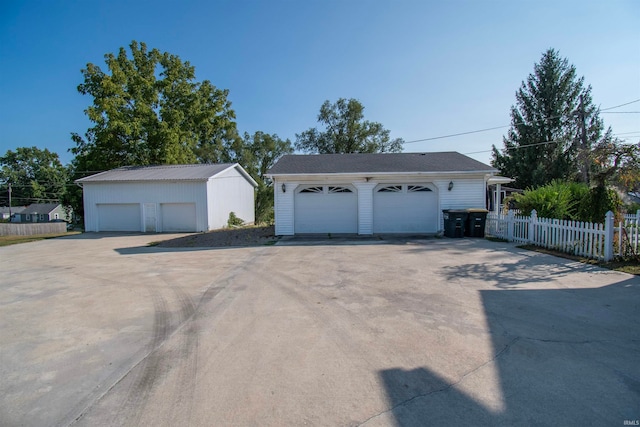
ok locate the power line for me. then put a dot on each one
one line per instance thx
(517, 147)
(506, 126)
(456, 134)
(621, 105)
(627, 133)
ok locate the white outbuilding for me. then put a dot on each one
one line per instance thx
(169, 198)
(374, 193)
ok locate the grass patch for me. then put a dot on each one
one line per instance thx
(628, 265)
(15, 240)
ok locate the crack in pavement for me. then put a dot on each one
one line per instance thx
(408, 401)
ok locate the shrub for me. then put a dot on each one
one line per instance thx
(568, 200)
(555, 200)
(234, 221)
(598, 202)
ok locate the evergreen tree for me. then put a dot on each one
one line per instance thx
(545, 141)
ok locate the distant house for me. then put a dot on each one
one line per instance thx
(41, 212)
(498, 193)
(6, 212)
(169, 198)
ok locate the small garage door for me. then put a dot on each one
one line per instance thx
(178, 216)
(119, 217)
(326, 209)
(405, 208)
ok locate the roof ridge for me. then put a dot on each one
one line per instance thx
(184, 165)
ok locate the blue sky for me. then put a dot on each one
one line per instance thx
(421, 68)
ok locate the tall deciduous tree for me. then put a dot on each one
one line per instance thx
(36, 176)
(257, 153)
(545, 141)
(149, 109)
(614, 162)
(346, 131)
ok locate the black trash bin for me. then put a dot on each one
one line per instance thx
(454, 222)
(476, 221)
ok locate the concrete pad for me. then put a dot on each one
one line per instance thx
(102, 330)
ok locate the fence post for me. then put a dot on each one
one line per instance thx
(608, 236)
(638, 218)
(510, 223)
(532, 220)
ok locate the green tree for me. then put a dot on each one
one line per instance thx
(257, 153)
(614, 162)
(149, 109)
(346, 131)
(545, 141)
(36, 176)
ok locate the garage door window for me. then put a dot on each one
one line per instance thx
(339, 190)
(312, 190)
(417, 188)
(391, 189)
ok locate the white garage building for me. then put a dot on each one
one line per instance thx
(170, 198)
(374, 193)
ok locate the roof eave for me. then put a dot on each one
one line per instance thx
(111, 181)
(421, 173)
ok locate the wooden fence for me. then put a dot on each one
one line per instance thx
(30, 229)
(592, 240)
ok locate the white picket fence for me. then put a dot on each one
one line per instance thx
(592, 240)
(633, 218)
(628, 236)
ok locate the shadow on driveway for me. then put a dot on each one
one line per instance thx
(563, 357)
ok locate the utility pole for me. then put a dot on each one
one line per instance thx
(9, 201)
(583, 156)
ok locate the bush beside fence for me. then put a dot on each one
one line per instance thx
(592, 240)
(30, 229)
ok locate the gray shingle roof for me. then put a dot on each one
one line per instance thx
(14, 209)
(40, 208)
(449, 161)
(159, 173)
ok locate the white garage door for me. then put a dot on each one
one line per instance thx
(178, 216)
(119, 217)
(405, 208)
(326, 209)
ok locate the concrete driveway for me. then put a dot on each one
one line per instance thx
(102, 330)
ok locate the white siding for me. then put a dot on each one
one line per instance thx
(283, 209)
(469, 191)
(230, 192)
(466, 193)
(140, 193)
(365, 206)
